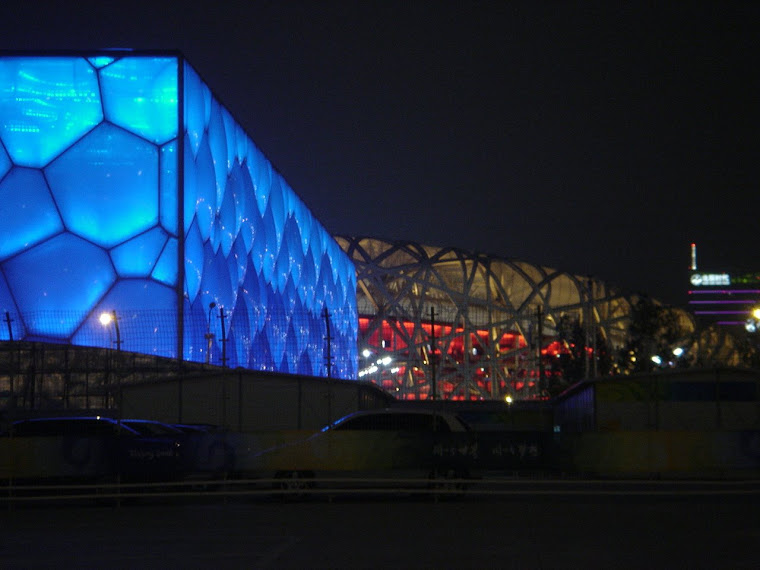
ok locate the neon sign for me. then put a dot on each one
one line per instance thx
(710, 279)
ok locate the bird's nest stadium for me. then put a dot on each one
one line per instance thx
(452, 324)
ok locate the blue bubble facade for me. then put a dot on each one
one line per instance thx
(126, 187)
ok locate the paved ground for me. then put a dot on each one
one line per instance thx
(577, 528)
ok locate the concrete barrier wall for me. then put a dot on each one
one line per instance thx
(663, 453)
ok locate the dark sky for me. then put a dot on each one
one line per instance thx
(597, 139)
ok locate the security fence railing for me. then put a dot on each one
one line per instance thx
(274, 338)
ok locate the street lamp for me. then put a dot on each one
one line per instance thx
(106, 318)
(209, 334)
(753, 322)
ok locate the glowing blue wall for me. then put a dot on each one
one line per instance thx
(110, 200)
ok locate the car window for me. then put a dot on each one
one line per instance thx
(396, 422)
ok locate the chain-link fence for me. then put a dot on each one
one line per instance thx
(276, 339)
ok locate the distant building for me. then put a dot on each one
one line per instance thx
(721, 298)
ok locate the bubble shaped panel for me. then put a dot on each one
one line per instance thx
(140, 95)
(5, 162)
(46, 103)
(27, 211)
(65, 274)
(106, 186)
(138, 256)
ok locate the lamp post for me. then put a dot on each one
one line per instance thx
(106, 319)
(209, 334)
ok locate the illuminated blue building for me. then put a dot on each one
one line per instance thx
(126, 187)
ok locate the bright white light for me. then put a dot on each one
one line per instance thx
(678, 351)
(385, 361)
(395, 370)
(756, 313)
(751, 326)
(371, 370)
(656, 359)
(366, 353)
(508, 399)
(105, 319)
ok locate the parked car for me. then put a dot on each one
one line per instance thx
(92, 448)
(387, 443)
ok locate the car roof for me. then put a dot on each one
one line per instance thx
(60, 420)
(452, 419)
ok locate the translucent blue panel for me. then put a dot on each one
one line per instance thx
(232, 271)
(276, 329)
(27, 211)
(216, 279)
(288, 198)
(205, 189)
(196, 327)
(239, 258)
(46, 103)
(291, 355)
(293, 240)
(106, 186)
(168, 190)
(305, 366)
(289, 296)
(227, 221)
(242, 338)
(195, 112)
(166, 268)
(229, 131)
(261, 175)
(315, 249)
(5, 162)
(300, 324)
(281, 268)
(259, 250)
(216, 234)
(193, 262)
(190, 190)
(100, 61)
(252, 298)
(242, 143)
(141, 294)
(236, 188)
(308, 278)
(245, 202)
(140, 94)
(138, 256)
(218, 144)
(277, 208)
(305, 221)
(65, 274)
(271, 247)
(261, 357)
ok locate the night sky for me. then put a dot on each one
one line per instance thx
(597, 139)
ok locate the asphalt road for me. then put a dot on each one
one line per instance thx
(577, 526)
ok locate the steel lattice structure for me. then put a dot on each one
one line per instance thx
(471, 321)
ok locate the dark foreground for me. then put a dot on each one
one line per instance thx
(556, 530)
